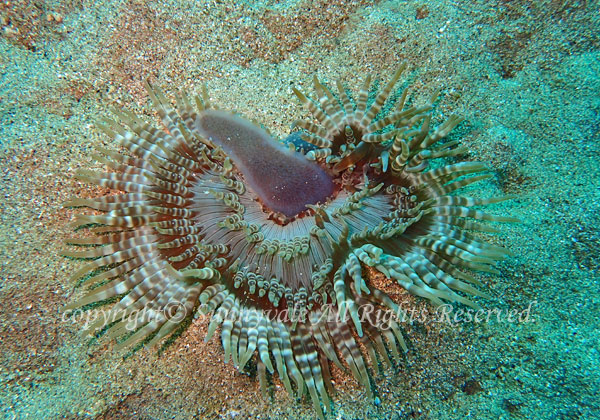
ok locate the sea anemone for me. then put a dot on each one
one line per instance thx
(274, 242)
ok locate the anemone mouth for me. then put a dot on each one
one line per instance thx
(284, 181)
(214, 216)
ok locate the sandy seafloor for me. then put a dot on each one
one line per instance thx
(525, 75)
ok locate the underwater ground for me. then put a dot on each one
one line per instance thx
(526, 75)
